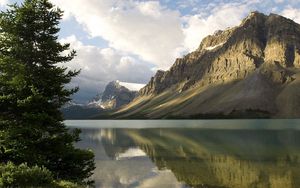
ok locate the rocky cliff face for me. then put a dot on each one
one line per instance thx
(116, 95)
(234, 54)
(258, 60)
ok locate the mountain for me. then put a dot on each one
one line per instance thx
(248, 71)
(115, 95)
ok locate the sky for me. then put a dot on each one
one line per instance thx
(129, 40)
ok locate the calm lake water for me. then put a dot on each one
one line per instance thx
(193, 153)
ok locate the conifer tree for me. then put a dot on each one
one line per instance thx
(32, 91)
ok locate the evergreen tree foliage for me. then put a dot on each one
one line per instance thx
(32, 91)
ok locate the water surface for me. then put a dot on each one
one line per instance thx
(194, 153)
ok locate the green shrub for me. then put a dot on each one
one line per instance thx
(23, 176)
(67, 184)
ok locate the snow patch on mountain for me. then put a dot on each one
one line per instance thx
(214, 47)
(95, 103)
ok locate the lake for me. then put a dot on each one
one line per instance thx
(193, 153)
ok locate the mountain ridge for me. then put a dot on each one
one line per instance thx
(114, 96)
(251, 70)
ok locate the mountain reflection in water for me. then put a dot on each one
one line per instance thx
(194, 157)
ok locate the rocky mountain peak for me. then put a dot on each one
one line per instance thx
(116, 95)
(111, 89)
(254, 16)
(235, 53)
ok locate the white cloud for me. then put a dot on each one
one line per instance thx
(292, 13)
(100, 66)
(220, 17)
(3, 3)
(145, 29)
(132, 86)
